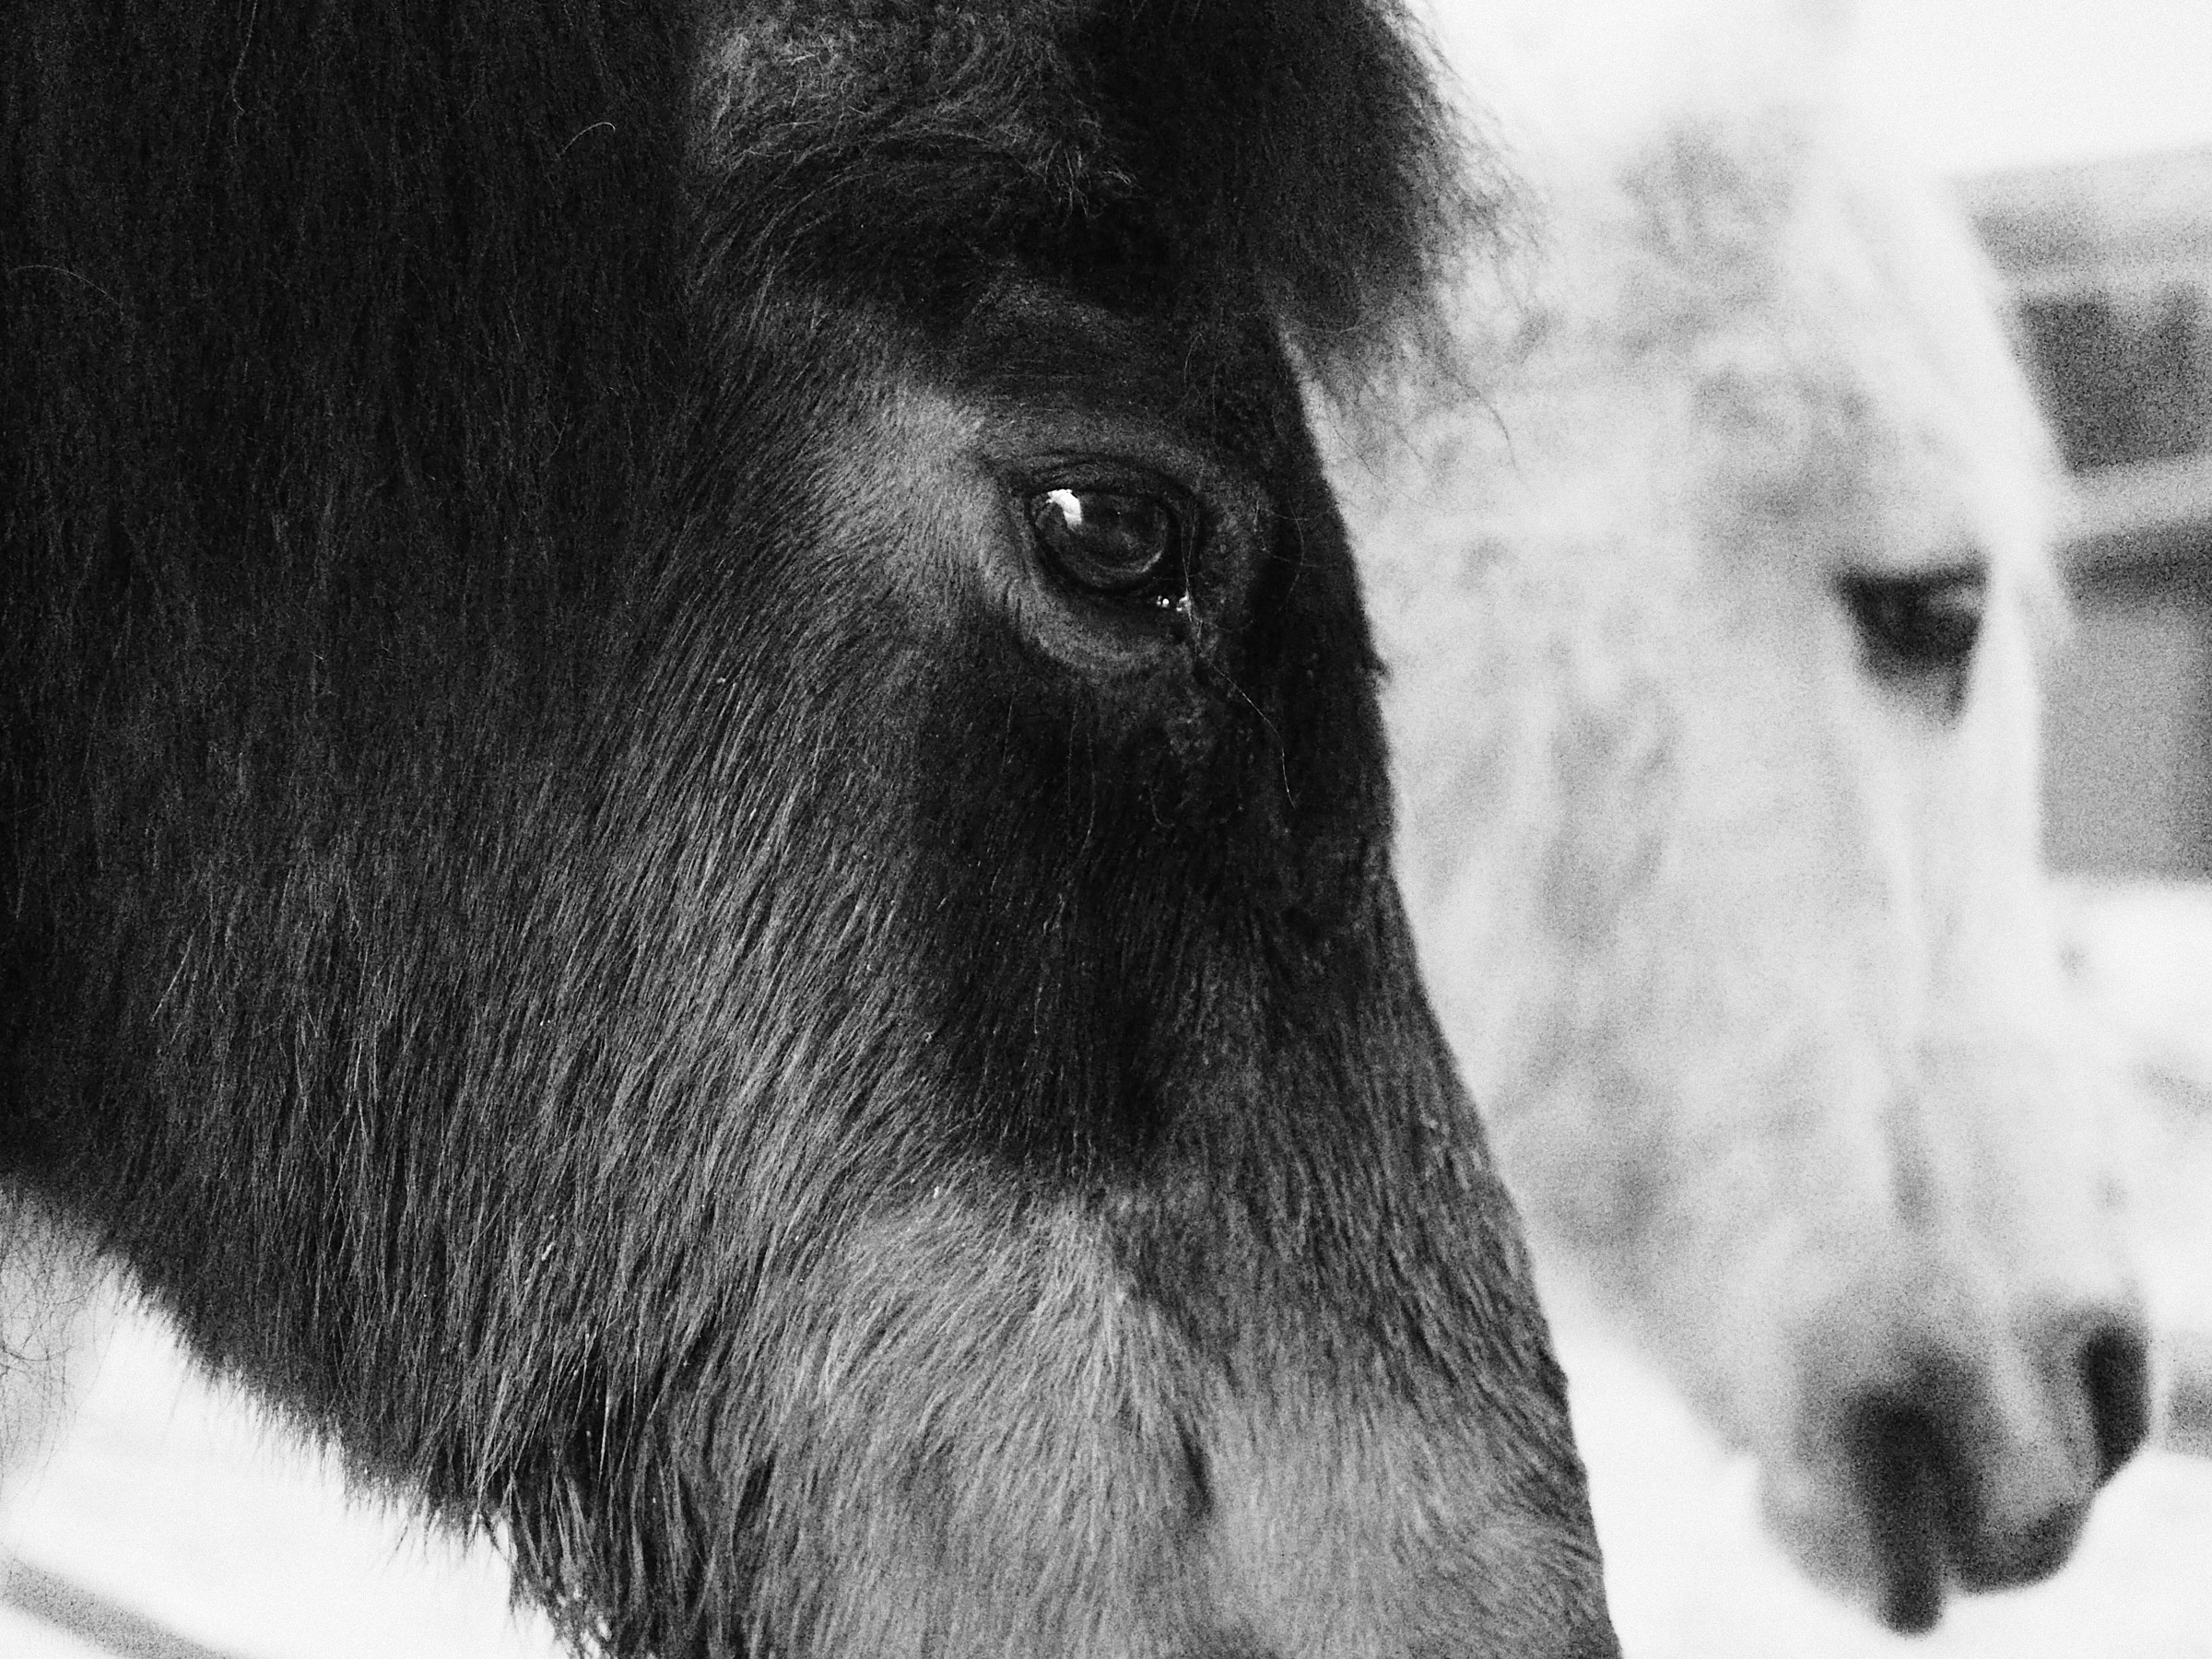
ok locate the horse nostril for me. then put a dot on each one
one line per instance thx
(2116, 1370)
(1899, 1458)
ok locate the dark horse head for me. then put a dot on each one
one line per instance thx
(696, 839)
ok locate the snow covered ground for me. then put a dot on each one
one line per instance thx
(170, 1523)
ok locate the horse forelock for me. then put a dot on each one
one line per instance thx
(1824, 330)
(1218, 163)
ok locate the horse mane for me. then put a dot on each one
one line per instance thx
(1213, 163)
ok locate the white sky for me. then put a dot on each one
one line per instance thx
(1976, 86)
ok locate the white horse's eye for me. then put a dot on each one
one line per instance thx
(1922, 626)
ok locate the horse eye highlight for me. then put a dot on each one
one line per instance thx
(1923, 623)
(1123, 543)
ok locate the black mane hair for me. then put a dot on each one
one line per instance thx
(1292, 161)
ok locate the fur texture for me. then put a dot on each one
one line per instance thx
(588, 911)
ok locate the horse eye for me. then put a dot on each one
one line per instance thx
(1919, 624)
(1122, 543)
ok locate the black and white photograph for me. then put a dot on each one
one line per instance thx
(1106, 830)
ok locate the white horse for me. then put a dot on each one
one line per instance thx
(1713, 610)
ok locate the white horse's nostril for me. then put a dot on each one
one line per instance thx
(1951, 1495)
(2115, 1373)
(1905, 1478)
